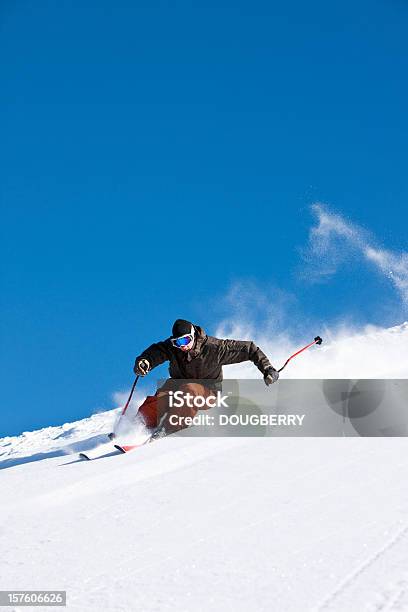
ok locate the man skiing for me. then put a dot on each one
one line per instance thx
(193, 356)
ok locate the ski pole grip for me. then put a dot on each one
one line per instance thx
(318, 340)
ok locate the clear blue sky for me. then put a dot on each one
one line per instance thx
(153, 153)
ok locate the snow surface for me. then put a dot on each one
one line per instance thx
(201, 524)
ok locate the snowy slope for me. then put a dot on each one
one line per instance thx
(285, 524)
(204, 524)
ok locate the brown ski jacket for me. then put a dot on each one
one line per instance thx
(206, 358)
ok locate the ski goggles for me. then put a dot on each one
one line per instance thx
(182, 340)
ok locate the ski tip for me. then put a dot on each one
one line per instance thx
(84, 457)
(122, 449)
(126, 448)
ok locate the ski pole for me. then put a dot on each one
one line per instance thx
(317, 340)
(130, 396)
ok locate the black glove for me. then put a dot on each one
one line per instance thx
(271, 375)
(142, 366)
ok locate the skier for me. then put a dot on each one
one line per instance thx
(193, 356)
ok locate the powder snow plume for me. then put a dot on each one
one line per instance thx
(368, 352)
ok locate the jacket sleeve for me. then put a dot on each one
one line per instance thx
(156, 354)
(236, 351)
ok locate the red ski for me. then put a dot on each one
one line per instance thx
(126, 448)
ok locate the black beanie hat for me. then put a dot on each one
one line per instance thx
(181, 327)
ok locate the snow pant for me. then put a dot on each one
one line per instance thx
(156, 410)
